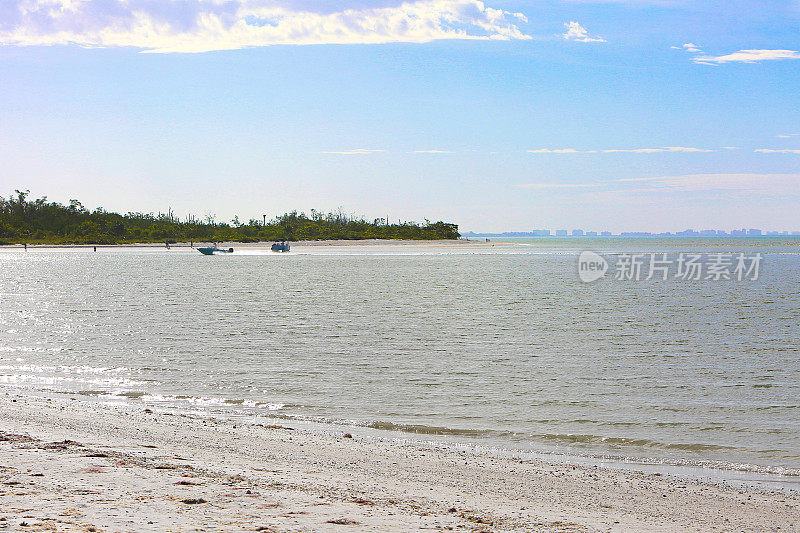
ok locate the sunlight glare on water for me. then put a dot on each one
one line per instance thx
(500, 343)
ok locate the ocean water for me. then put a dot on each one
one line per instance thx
(499, 344)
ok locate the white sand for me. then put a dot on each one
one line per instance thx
(265, 244)
(125, 469)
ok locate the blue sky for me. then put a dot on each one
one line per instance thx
(497, 115)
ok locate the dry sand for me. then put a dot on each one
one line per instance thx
(74, 465)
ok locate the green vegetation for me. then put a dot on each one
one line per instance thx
(43, 222)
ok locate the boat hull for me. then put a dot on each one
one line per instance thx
(214, 250)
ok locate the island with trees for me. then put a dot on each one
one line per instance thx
(40, 221)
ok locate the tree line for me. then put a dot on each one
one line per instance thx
(41, 222)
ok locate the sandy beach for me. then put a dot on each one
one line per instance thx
(479, 266)
(67, 464)
(266, 244)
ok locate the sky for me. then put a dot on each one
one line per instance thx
(502, 115)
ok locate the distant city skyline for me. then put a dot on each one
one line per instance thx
(743, 232)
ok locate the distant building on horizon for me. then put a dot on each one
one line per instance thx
(752, 232)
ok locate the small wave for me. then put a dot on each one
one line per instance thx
(130, 394)
(513, 439)
(66, 369)
(27, 379)
(434, 430)
(625, 441)
(92, 393)
(199, 401)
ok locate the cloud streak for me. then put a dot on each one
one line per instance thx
(748, 56)
(764, 183)
(657, 150)
(356, 151)
(688, 183)
(557, 151)
(619, 150)
(559, 185)
(206, 25)
(742, 56)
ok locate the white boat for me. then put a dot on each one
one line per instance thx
(211, 250)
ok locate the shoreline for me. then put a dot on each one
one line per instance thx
(259, 244)
(113, 468)
(511, 243)
(725, 470)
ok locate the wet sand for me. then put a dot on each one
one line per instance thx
(262, 244)
(73, 465)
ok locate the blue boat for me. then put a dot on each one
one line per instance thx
(280, 247)
(211, 250)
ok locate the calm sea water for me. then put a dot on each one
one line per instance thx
(500, 344)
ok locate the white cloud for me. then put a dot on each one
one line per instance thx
(204, 25)
(576, 32)
(765, 183)
(742, 56)
(748, 56)
(657, 187)
(778, 151)
(357, 151)
(656, 150)
(558, 151)
(788, 135)
(626, 150)
(559, 185)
